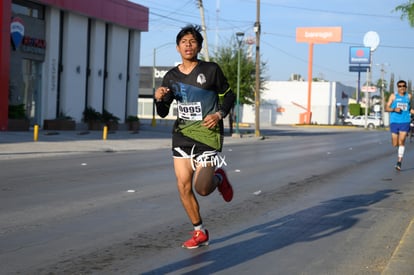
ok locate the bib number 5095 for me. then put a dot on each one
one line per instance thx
(190, 111)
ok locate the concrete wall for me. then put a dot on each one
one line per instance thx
(74, 57)
(96, 65)
(290, 100)
(133, 73)
(117, 54)
(51, 65)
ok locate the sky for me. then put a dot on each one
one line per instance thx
(278, 47)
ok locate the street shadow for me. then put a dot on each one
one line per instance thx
(323, 220)
(299, 132)
(280, 132)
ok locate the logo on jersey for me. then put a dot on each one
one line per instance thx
(201, 79)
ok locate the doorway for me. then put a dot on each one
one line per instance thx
(32, 78)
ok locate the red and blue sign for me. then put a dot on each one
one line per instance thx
(17, 31)
(359, 55)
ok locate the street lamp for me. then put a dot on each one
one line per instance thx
(239, 36)
(153, 122)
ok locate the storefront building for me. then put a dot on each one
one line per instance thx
(59, 57)
(150, 79)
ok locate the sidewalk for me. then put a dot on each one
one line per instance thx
(22, 145)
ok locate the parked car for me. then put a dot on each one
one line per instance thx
(372, 121)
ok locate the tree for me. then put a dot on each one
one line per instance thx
(407, 11)
(387, 93)
(227, 58)
(382, 83)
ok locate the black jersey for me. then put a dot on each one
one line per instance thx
(197, 95)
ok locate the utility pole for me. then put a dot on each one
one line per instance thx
(239, 36)
(203, 28)
(257, 89)
(382, 91)
(217, 26)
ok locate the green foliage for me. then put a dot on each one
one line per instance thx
(407, 11)
(382, 84)
(132, 118)
(354, 109)
(63, 116)
(227, 58)
(17, 111)
(109, 117)
(90, 114)
(386, 97)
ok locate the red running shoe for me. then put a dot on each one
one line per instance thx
(225, 187)
(199, 238)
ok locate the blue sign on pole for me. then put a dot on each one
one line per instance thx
(359, 68)
(359, 55)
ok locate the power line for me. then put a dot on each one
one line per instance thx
(333, 11)
(172, 14)
(344, 42)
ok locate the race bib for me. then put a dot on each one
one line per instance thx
(190, 111)
(402, 105)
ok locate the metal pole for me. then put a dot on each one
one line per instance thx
(310, 63)
(257, 88)
(238, 93)
(367, 103)
(366, 100)
(105, 133)
(36, 133)
(239, 37)
(153, 122)
(382, 92)
(358, 95)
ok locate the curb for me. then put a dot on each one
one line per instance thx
(402, 259)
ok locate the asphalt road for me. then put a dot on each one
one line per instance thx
(306, 202)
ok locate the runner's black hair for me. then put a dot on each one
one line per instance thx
(195, 30)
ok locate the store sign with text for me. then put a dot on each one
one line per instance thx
(34, 45)
(359, 55)
(319, 35)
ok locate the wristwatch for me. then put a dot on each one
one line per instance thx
(222, 114)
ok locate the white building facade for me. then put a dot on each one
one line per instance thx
(285, 102)
(84, 54)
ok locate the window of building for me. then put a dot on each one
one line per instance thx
(28, 8)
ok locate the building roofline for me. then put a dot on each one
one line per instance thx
(121, 12)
